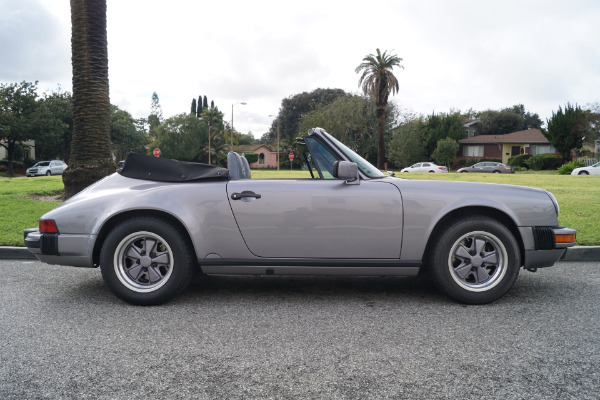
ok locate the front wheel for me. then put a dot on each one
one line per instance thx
(475, 260)
(48, 173)
(147, 261)
(584, 173)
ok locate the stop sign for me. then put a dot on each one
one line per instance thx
(291, 156)
(156, 152)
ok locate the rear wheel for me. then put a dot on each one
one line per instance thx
(147, 261)
(475, 260)
(584, 173)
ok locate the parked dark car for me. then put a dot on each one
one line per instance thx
(489, 166)
(150, 226)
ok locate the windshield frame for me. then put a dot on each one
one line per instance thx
(364, 166)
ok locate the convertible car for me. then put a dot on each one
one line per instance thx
(151, 225)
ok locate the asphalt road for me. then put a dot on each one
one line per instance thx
(64, 335)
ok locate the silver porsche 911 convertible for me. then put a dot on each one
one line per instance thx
(150, 225)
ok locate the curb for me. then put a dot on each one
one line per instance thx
(576, 253)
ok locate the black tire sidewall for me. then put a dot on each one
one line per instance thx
(438, 260)
(183, 264)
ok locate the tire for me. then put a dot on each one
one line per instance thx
(584, 173)
(475, 260)
(147, 276)
(48, 173)
(496, 172)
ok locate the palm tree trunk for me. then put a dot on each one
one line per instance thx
(90, 158)
(380, 137)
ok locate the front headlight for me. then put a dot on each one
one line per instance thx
(556, 206)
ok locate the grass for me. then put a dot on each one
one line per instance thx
(578, 196)
(18, 211)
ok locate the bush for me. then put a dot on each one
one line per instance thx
(519, 161)
(251, 157)
(567, 168)
(545, 161)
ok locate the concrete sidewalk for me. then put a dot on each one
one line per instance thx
(576, 253)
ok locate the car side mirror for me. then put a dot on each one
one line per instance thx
(347, 171)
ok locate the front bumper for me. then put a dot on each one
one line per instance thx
(544, 246)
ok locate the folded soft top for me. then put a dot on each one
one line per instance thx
(139, 166)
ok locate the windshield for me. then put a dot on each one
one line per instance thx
(42, 164)
(366, 167)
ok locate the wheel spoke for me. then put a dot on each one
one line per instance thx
(133, 253)
(154, 275)
(463, 270)
(479, 245)
(463, 253)
(481, 275)
(149, 245)
(135, 271)
(161, 258)
(490, 258)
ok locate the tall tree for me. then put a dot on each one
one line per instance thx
(54, 126)
(18, 108)
(378, 81)
(155, 117)
(199, 106)
(194, 111)
(293, 108)
(90, 148)
(205, 103)
(566, 130)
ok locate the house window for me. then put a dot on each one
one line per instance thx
(473, 151)
(542, 149)
(261, 158)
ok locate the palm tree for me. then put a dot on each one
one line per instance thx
(378, 81)
(90, 148)
(211, 115)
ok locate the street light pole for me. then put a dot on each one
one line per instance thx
(242, 103)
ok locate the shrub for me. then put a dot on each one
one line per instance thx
(251, 157)
(567, 168)
(544, 161)
(519, 160)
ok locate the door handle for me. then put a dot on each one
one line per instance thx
(245, 194)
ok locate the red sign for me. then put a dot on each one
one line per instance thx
(291, 156)
(156, 152)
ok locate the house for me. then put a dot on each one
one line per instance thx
(267, 157)
(502, 147)
(27, 154)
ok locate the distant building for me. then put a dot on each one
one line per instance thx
(502, 147)
(267, 157)
(28, 154)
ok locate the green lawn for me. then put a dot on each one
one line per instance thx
(578, 196)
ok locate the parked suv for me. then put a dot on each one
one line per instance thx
(54, 167)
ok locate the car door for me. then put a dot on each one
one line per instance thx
(318, 218)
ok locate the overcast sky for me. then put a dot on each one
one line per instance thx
(456, 54)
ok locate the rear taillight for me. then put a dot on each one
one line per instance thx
(48, 226)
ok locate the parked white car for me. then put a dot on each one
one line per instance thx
(425, 167)
(54, 167)
(591, 170)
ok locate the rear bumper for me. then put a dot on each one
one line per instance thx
(61, 249)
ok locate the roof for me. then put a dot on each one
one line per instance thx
(532, 136)
(250, 147)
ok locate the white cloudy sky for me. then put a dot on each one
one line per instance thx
(457, 54)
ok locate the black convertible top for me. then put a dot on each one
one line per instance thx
(139, 166)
